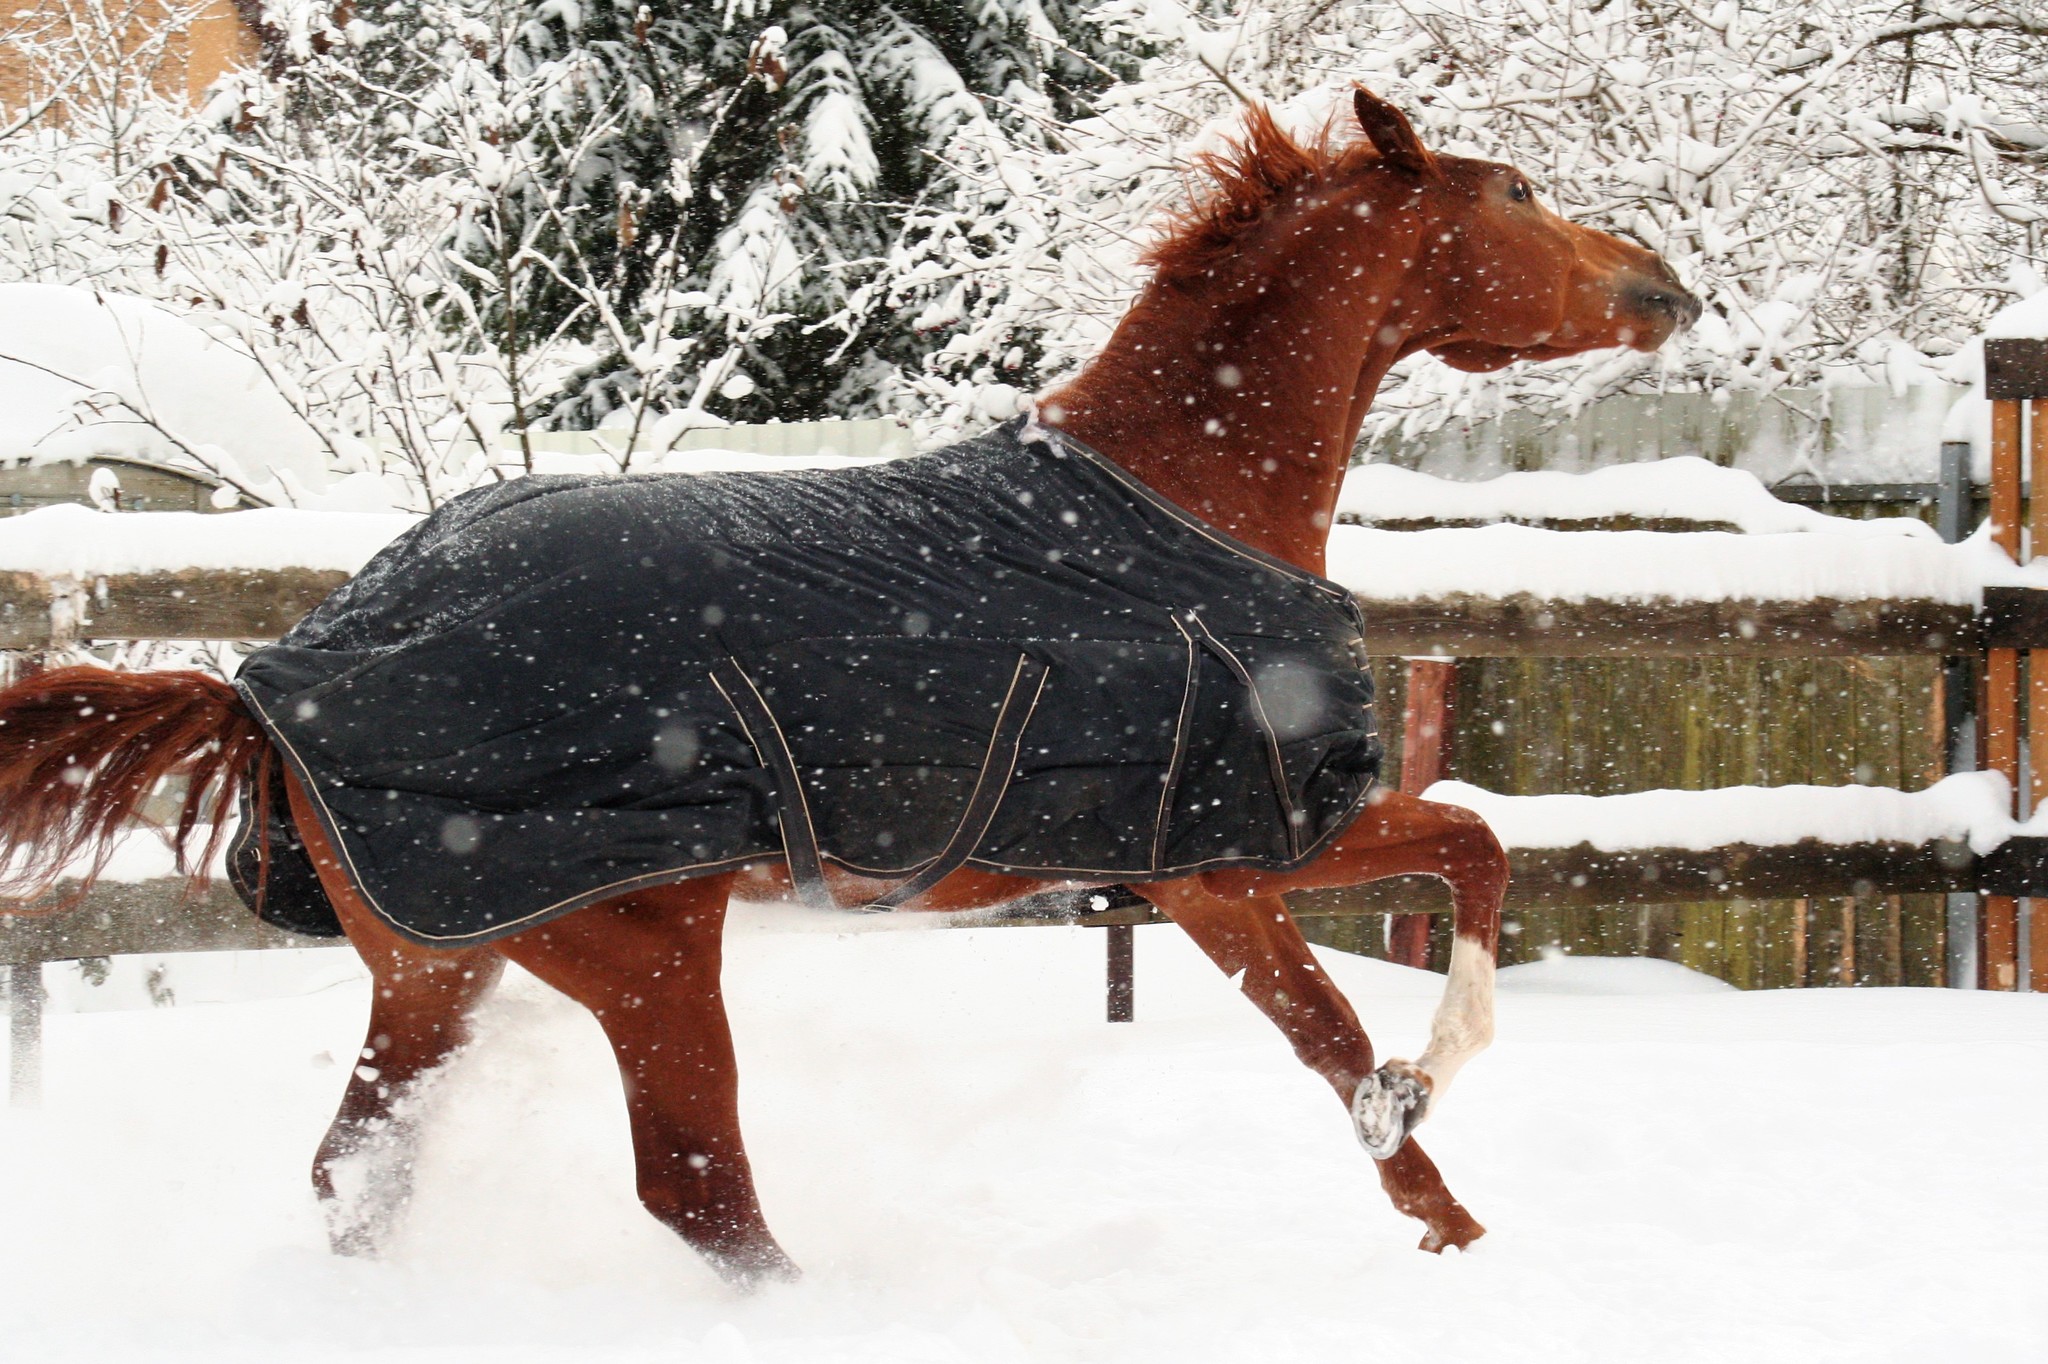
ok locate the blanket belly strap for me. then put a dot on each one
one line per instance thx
(1275, 764)
(800, 838)
(799, 834)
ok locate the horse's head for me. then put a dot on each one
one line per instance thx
(1511, 280)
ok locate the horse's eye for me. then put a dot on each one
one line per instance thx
(1519, 191)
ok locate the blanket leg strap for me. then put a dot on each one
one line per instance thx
(1026, 684)
(800, 835)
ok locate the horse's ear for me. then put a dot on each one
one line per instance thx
(1393, 135)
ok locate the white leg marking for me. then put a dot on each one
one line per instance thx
(1393, 1100)
(1464, 1020)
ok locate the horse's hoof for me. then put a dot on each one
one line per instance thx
(1458, 1230)
(1389, 1104)
(753, 1271)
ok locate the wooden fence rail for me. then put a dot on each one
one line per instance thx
(37, 612)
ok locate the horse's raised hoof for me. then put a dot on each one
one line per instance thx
(1456, 1229)
(1387, 1106)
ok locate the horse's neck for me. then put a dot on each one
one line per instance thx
(1239, 397)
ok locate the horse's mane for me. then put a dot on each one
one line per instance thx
(1250, 174)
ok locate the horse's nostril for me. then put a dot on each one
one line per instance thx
(1676, 304)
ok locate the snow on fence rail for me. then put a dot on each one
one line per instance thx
(68, 573)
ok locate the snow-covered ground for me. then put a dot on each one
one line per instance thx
(972, 1166)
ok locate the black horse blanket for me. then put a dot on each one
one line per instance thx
(1008, 653)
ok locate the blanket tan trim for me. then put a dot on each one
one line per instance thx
(1169, 786)
(1220, 539)
(1236, 665)
(799, 831)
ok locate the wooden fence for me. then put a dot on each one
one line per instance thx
(1554, 696)
(1600, 726)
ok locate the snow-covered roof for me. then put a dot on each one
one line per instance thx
(85, 373)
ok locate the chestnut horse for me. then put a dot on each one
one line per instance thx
(1234, 387)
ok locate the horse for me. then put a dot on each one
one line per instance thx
(1234, 388)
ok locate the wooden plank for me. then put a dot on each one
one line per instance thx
(1543, 878)
(2037, 670)
(1526, 626)
(190, 604)
(1845, 944)
(1425, 745)
(156, 916)
(1618, 521)
(259, 605)
(1121, 949)
(1923, 944)
(25, 1000)
(1999, 918)
(2012, 618)
(1802, 911)
(2037, 659)
(121, 917)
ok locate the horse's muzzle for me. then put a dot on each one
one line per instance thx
(1662, 296)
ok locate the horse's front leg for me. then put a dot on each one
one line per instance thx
(1254, 938)
(1399, 835)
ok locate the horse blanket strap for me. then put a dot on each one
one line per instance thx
(989, 787)
(793, 813)
(800, 836)
(1006, 654)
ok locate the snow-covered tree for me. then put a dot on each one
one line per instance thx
(701, 193)
(1852, 186)
(439, 224)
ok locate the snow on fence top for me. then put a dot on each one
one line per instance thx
(1970, 419)
(1969, 807)
(80, 542)
(1790, 554)
(1685, 488)
(1646, 566)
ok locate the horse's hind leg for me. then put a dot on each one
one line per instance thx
(647, 964)
(1254, 939)
(420, 1005)
(419, 1014)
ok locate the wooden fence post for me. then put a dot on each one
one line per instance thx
(2015, 372)
(1425, 739)
(2037, 671)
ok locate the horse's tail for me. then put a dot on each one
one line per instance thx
(83, 748)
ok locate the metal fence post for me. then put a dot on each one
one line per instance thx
(1123, 987)
(25, 998)
(1955, 517)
